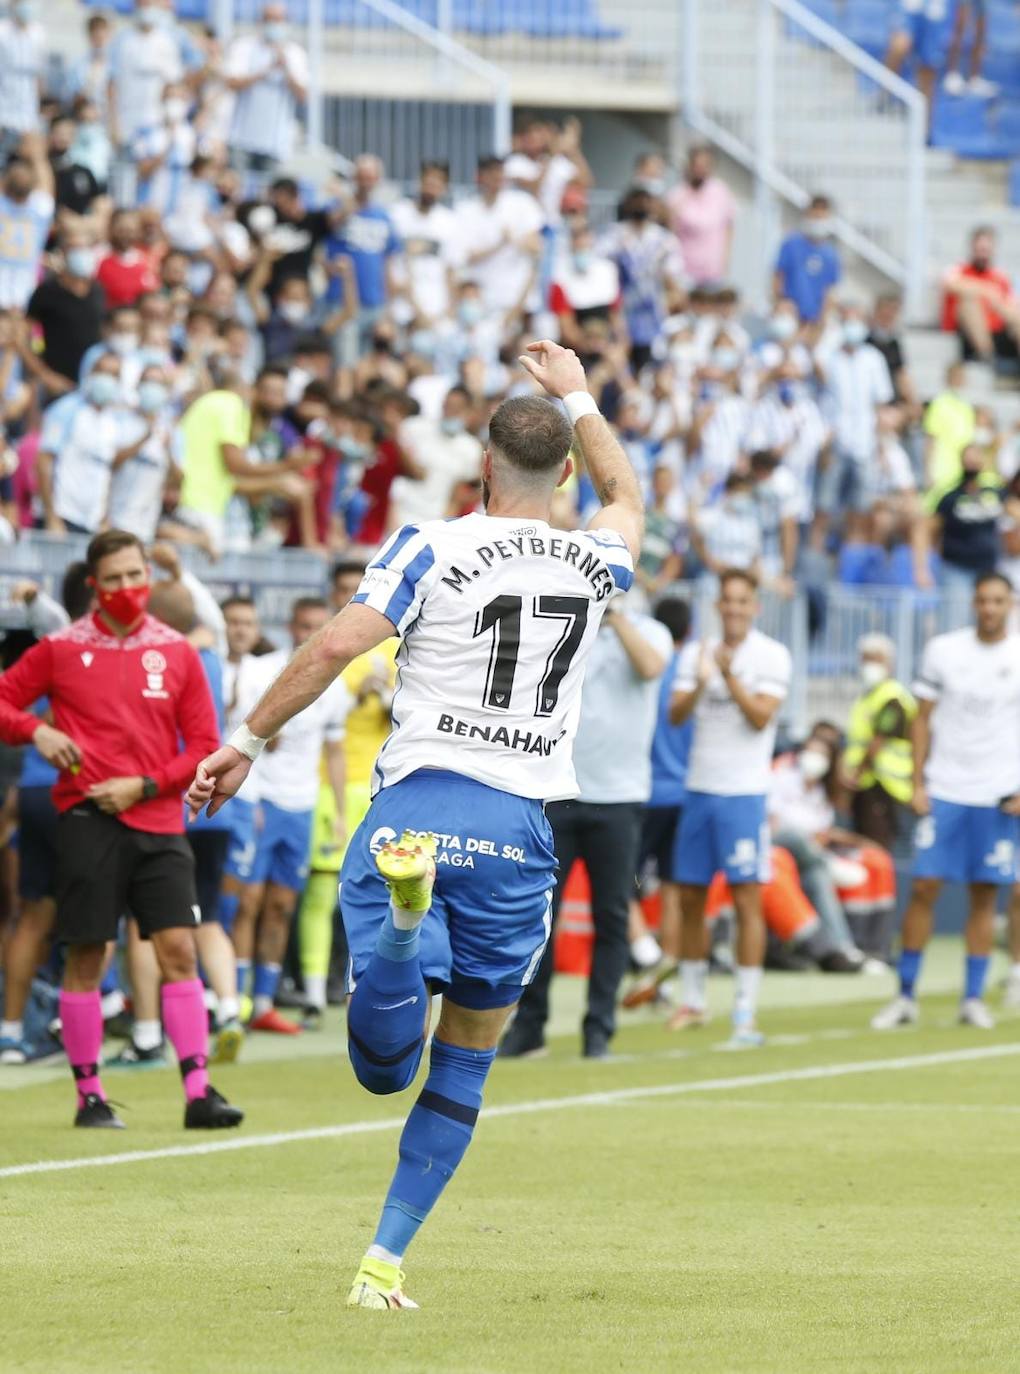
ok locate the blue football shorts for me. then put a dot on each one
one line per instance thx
(491, 914)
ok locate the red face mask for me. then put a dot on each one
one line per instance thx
(126, 604)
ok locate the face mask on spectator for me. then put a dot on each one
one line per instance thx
(741, 503)
(470, 313)
(293, 311)
(872, 673)
(151, 356)
(726, 358)
(582, 260)
(152, 397)
(123, 343)
(786, 392)
(983, 435)
(81, 262)
(854, 332)
(818, 228)
(451, 424)
(147, 17)
(782, 327)
(102, 389)
(275, 32)
(423, 342)
(176, 109)
(813, 764)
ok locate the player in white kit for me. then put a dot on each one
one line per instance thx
(966, 792)
(733, 688)
(496, 614)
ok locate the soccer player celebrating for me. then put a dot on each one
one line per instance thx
(733, 687)
(132, 714)
(497, 614)
(966, 791)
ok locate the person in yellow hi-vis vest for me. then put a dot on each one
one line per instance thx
(370, 680)
(878, 762)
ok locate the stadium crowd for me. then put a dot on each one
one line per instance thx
(202, 350)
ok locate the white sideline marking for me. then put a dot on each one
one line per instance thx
(546, 1104)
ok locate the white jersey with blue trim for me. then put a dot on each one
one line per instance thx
(497, 616)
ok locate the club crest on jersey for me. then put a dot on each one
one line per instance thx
(154, 665)
(87, 658)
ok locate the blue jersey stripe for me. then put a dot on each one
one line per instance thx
(388, 554)
(623, 577)
(401, 599)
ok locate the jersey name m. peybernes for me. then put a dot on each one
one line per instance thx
(496, 618)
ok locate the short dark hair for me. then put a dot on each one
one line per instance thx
(75, 592)
(110, 541)
(983, 229)
(675, 615)
(317, 390)
(432, 164)
(308, 603)
(531, 433)
(488, 161)
(237, 600)
(285, 184)
(738, 575)
(345, 567)
(272, 370)
(819, 201)
(993, 576)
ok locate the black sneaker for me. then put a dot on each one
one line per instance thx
(210, 1113)
(521, 1042)
(312, 1019)
(840, 961)
(95, 1112)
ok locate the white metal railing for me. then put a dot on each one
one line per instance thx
(805, 110)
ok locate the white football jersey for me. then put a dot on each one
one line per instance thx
(974, 758)
(244, 682)
(496, 618)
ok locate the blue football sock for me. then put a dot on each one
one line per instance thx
(976, 973)
(243, 971)
(226, 909)
(386, 1015)
(433, 1142)
(111, 979)
(910, 967)
(267, 980)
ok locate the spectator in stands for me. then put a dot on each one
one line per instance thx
(144, 60)
(294, 313)
(702, 212)
(721, 419)
(777, 498)
(980, 305)
(448, 456)
(949, 422)
(500, 243)
(808, 268)
(427, 230)
(885, 335)
(26, 213)
(75, 185)
(363, 234)
(89, 75)
(150, 447)
(22, 73)
(857, 382)
(878, 762)
(164, 155)
(661, 561)
(81, 441)
(68, 308)
(545, 161)
(975, 85)
(651, 271)
(125, 273)
(921, 32)
(966, 526)
(268, 73)
(585, 286)
(728, 533)
(612, 758)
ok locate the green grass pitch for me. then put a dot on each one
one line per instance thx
(815, 1220)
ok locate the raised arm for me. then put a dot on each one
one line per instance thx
(559, 370)
(356, 630)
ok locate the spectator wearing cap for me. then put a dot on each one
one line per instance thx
(701, 214)
(268, 73)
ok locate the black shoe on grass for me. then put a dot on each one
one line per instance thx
(211, 1113)
(94, 1111)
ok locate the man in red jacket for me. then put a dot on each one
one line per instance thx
(133, 716)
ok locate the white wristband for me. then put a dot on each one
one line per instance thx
(246, 743)
(580, 403)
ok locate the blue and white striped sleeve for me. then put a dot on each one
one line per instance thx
(615, 553)
(399, 578)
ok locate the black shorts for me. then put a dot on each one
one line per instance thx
(106, 870)
(658, 835)
(37, 843)
(210, 850)
(1003, 342)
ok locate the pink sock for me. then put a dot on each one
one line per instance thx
(187, 1027)
(81, 1017)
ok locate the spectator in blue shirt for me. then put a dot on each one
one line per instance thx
(671, 745)
(808, 268)
(366, 236)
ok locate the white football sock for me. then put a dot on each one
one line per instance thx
(315, 990)
(12, 1030)
(379, 1252)
(645, 951)
(693, 977)
(745, 1003)
(229, 1009)
(147, 1035)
